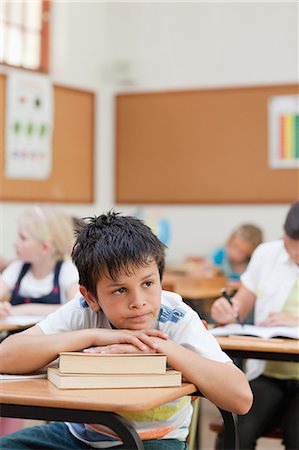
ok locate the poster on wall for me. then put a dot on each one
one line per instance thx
(29, 126)
(284, 132)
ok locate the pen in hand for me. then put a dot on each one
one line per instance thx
(228, 297)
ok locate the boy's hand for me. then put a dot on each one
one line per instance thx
(118, 349)
(140, 339)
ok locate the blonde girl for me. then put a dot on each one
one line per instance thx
(42, 277)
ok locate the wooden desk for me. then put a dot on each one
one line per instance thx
(195, 287)
(40, 399)
(257, 348)
(198, 292)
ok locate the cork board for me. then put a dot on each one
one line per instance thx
(71, 178)
(199, 146)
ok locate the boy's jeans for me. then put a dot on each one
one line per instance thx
(56, 436)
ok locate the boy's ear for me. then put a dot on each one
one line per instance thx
(90, 299)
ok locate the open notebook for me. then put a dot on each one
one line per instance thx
(21, 320)
(254, 330)
(38, 374)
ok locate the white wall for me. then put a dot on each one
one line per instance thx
(153, 45)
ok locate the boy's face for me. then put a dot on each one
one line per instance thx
(132, 301)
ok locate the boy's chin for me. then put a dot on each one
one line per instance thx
(142, 325)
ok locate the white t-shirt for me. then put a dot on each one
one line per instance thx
(270, 275)
(183, 325)
(32, 287)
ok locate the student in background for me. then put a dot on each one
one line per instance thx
(4, 262)
(270, 283)
(41, 278)
(232, 259)
(122, 309)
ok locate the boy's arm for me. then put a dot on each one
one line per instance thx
(222, 383)
(31, 349)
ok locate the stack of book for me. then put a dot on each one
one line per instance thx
(79, 370)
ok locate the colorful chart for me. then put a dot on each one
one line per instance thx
(284, 132)
(289, 136)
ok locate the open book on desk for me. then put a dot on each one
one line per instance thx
(38, 374)
(254, 330)
(21, 320)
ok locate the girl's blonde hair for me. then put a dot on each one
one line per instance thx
(47, 224)
(249, 233)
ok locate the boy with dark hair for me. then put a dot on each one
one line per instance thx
(270, 285)
(121, 308)
(130, 248)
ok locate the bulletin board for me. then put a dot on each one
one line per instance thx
(199, 146)
(71, 178)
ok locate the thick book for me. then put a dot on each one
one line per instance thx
(98, 363)
(113, 381)
(254, 330)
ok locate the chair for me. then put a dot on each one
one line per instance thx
(229, 423)
(217, 426)
(229, 427)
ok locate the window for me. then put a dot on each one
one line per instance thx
(24, 34)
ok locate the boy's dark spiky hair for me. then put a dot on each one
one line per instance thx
(112, 244)
(291, 225)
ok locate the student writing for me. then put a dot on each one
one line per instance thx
(270, 284)
(121, 308)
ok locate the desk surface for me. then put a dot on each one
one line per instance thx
(39, 399)
(258, 344)
(199, 292)
(258, 348)
(195, 287)
(40, 392)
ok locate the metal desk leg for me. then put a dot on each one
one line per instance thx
(115, 422)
